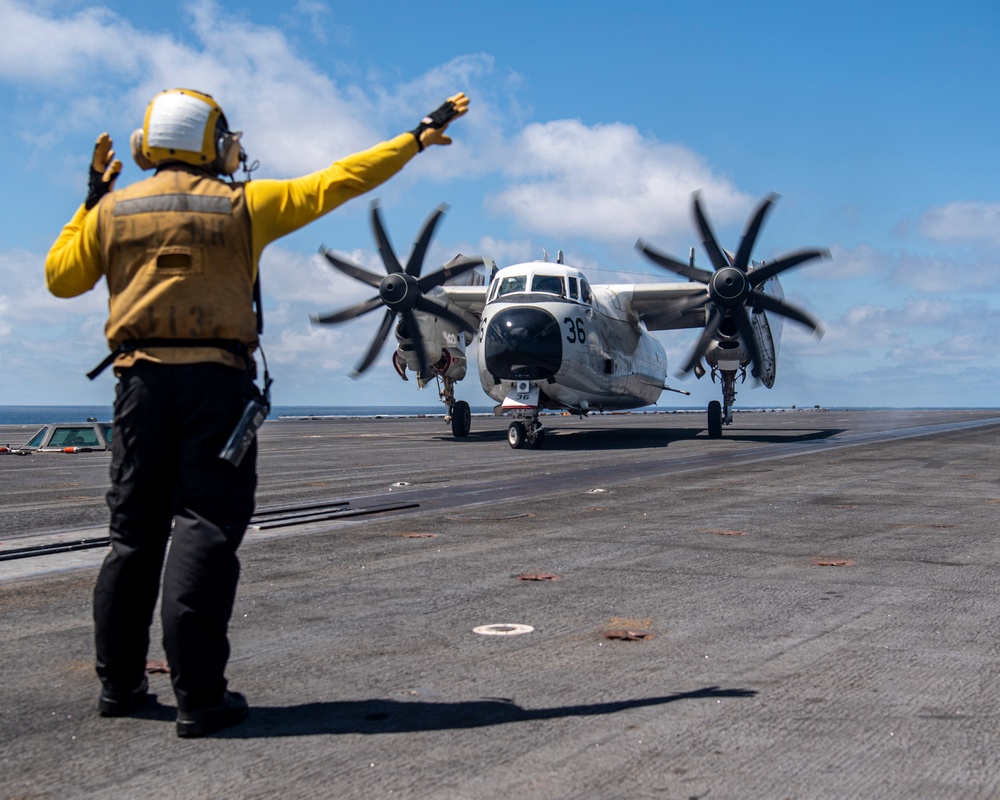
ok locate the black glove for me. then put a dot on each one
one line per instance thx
(104, 171)
(438, 120)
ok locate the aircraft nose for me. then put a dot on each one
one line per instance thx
(523, 344)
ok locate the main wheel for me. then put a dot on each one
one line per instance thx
(516, 435)
(715, 420)
(461, 419)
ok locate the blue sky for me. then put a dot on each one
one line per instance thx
(591, 125)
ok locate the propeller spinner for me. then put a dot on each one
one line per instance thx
(733, 287)
(401, 291)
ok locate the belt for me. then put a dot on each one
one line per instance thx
(233, 346)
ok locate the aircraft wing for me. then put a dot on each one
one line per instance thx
(471, 299)
(664, 306)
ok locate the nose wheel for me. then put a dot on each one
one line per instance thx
(519, 435)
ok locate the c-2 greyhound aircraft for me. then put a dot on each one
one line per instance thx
(548, 339)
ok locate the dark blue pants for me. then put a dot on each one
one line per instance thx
(168, 484)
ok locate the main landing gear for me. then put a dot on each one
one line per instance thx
(719, 414)
(715, 420)
(461, 419)
(459, 413)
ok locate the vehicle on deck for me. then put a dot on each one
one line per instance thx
(69, 437)
(549, 340)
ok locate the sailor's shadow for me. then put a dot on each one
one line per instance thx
(392, 716)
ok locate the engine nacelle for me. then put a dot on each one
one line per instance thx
(444, 346)
(453, 363)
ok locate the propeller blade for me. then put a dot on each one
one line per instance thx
(746, 333)
(761, 274)
(690, 303)
(349, 268)
(450, 271)
(382, 238)
(377, 341)
(715, 254)
(348, 313)
(418, 341)
(750, 234)
(711, 329)
(768, 303)
(433, 307)
(681, 268)
(414, 265)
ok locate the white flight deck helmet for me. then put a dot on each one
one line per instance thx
(188, 126)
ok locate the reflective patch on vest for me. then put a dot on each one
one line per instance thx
(198, 203)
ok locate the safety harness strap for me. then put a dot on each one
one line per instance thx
(233, 346)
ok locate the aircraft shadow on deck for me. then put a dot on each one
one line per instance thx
(393, 716)
(582, 438)
(785, 437)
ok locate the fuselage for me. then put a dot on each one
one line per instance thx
(543, 324)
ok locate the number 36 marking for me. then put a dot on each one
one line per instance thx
(574, 330)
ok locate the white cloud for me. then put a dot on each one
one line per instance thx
(39, 49)
(607, 182)
(920, 329)
(31, 308)
(849, 263)
(951, 350)
(99, 71)
(928, 273)
(317, 17)
(962, 222)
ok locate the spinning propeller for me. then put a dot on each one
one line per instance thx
(732, 288)
(400, 291)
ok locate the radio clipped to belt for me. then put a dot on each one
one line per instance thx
(258, 407)
(256, 411)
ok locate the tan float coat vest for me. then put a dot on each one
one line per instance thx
(177, 253)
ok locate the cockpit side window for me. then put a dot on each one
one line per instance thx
(585, 293)
(574, 291)
(549, 284)
(512, 284)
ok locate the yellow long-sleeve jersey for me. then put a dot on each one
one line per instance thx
(140, 293)
(277, 208)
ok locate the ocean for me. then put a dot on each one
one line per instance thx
(40, 415)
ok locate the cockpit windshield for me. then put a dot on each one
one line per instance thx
(512, 285)
(565, 286)
(548, 284)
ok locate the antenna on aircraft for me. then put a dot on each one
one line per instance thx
(559, 257)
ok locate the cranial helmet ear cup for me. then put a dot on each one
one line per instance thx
(230, 152)
(135, 144)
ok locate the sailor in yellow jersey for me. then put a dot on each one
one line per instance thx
(179, 251)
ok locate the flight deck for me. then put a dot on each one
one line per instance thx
(805, 607)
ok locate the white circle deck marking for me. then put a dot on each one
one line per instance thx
(502, 629)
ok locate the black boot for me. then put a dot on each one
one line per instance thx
(112, 703)
(204, 721)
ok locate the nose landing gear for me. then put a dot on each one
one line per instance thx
(519, 434)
